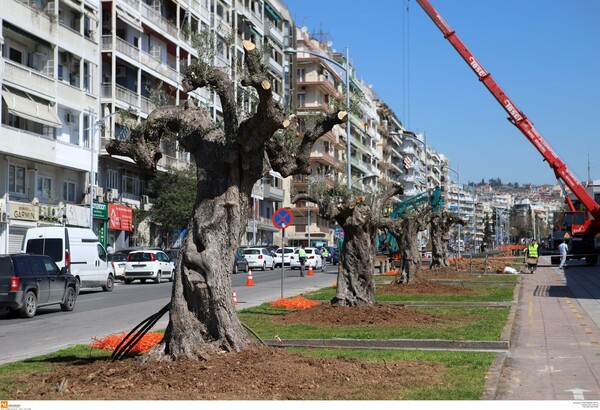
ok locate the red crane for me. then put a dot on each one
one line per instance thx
(579, 225)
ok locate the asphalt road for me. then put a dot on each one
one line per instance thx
(98, 314)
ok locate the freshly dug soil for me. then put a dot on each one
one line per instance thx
(259, 373)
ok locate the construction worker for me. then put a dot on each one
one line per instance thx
(563, 250)
(302, 259)
(532, 255)
(324, 256)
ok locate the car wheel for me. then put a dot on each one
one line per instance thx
(264, 266)
(235, 269)
(272, 266)
(172, 277)
(110, 284)
(128, 281)
(69, 302)
(158, 277)
(30, 306)
(247, 268)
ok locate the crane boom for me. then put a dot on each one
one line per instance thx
(516, 116)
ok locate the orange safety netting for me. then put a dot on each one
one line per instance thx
(391, 272)
(112, 341)
(298, 302)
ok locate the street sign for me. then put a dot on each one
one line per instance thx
(282, 218)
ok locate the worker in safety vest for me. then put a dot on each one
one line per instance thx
(324, 256)
(532, 255)
(302, 259)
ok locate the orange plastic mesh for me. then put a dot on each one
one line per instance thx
(112, 341)
(391, 272)
(298, 302)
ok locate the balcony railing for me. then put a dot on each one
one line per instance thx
(25, 76)
(159, 20)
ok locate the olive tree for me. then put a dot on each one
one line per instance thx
(229, 157)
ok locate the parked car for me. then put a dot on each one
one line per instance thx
(287, 252)
(117, 261)
(148, 264)
(173, 254)
(76, 249)
(30, 281)
(240, 263)
(313, 258)
(259, 258)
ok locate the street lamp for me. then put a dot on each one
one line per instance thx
(95, 127)
(346, 69)
(458, 195)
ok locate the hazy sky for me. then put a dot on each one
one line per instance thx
(545, 54)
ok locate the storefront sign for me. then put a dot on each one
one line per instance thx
(120, 217)
(100, 210)
(24, 212)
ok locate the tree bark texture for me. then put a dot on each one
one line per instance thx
(441, 222)
(229, 160)
(360, 217)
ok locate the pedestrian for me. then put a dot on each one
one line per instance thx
(562, 249)
(302, 259)
(324, 256)
(532, 256)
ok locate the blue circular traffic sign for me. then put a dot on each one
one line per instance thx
(282, 218)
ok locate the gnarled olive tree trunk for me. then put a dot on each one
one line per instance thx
(229, 160)
(440, 229)
(360, 218)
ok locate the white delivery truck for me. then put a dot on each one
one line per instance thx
(77, 249)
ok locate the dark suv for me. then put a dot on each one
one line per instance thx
(28, 281)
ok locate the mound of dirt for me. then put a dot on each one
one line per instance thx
(425, 287)
(379, 314)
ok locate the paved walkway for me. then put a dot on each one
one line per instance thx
(555, 342)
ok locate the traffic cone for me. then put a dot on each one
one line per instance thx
(235, 302)
(249, 282)
(310, 272)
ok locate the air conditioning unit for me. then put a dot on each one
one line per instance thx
(108, 196)
(45, 211)
(115, 193)
(98, 191)
(56, 212)
(145, 199)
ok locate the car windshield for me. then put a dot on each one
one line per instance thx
(140, 257)
(117, 257)
(252, 252)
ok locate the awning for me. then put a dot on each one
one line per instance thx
(272, 12)
(27, 107)
(129, 18)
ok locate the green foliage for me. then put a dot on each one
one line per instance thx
(173, 195)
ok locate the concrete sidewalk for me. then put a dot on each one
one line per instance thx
(555, 351)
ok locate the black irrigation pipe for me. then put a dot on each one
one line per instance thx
(135, 336)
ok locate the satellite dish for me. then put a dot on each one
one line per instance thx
(329, 43)
(304, 29)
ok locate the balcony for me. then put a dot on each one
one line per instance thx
(275, 33)
(159, 67)
(325, 158)
(126, 96)
(26, 77)
(159, 21)
(324, 84)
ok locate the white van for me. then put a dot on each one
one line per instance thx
(77, 249)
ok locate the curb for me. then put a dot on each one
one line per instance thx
(398, 344)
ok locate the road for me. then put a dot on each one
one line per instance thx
(98, 314)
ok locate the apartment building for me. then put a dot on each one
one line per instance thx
(50, 96)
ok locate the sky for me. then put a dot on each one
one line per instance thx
(544, 54)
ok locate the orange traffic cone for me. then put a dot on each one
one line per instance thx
(235, 302)
(310, 272)
(249, 282)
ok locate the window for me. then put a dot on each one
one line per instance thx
(16, 179)
(301, 100)
(44, 187)
(112, 179)
(87, 131)
(68, 194)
